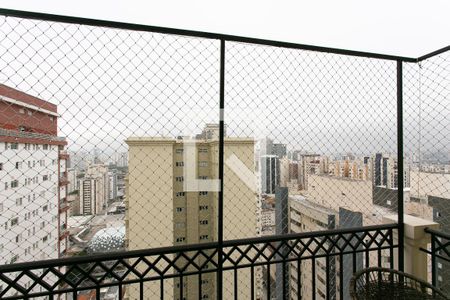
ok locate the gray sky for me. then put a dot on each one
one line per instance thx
(111, 84)
(405, 27)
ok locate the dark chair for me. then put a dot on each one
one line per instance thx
(383, 283)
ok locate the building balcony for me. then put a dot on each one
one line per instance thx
(64, 155)
(63, 205)
(64, 233)
(251, 169)
(333, 254)
(63, 180)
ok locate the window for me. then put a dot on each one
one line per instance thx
(6, 185)
(179, 209)
(18, 165)
(203, 177)
(18, 238)
(44, 239)
(180, 194)
(180, 239)
(14, 183)
(19, 201)
(179, 178)
(45, 208)
(203, 207)
(45, 147)
(45, 178)
(1, 166)
(179, 163)
(203, 164)
(204, 237)
(42, 163)
(14, 221)
(14, 146)
(179, 150)
(203, 222)
(30, 113)
(203, 193)
(42, 224)
(179, 225)
(203, 150)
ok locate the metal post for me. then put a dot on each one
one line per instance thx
(433, 259)
(221, 168)
(400, 205)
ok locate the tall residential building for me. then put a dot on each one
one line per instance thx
(279, 150)
(112, 184)
(306, 216)
(120, 159)
(94, 189)
(160, 212)
(33, 180)
(385, 171)
(351, 168)
(270, 173)
(311, 164)
(72, 176)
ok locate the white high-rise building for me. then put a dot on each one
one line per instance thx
(33, 180)
(94, 189)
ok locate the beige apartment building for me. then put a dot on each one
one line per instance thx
(161, 212)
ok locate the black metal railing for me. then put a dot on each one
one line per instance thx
(439, 253)
(329, 254)
(94, 69)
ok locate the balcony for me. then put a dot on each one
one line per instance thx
(249, 169)
(64, 233)
(63, 205)
(64, 155)
(63, 180)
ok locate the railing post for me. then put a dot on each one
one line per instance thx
(415, 238)
(219, 281)
(400, 204)
(433, 259)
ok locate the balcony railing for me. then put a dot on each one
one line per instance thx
(439, 253)
(338, 251)
(212, 142)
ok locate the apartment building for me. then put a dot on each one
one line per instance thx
(385, 171)
(162, 211)
(270, 173)
(33, 180)
(308, 216)
(354, 169)
(94, 190)
(112, 184)
(311, 164)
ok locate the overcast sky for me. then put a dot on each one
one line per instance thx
(111, 84)
(405, 27)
